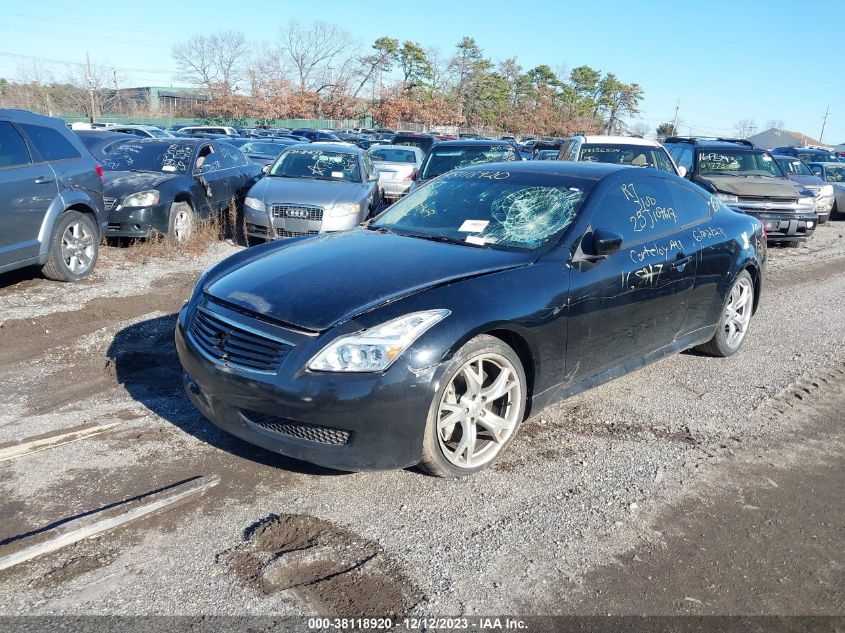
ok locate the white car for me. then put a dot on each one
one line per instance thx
(619, 150)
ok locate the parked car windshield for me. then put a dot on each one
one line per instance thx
(634, 155)
(264, 149)
(729, 162)
(154, 156)
(819, 156)
(444, 159)
(392, 155)
(834, 173)
(496, 208)
(317, 164)
(793, 167)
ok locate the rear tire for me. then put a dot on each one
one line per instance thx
(834, 212)
(472, 421)
(254, 241)
(74, 248)
(735, 320)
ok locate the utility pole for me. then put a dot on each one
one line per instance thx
(675, 120)
(90, 78)
(824, 122)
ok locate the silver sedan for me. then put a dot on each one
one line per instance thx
(313, 188)
(396, 166)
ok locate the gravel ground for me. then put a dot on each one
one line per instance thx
(585, 481)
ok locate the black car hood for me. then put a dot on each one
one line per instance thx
(755, 186)
(316, 283)
(120, 183)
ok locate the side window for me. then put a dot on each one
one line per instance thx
(640, 208)
(818, 171)
(368, 165)
(230, 156)
(49, 143)
(207, 160)
(13, 151)
(684, 158)
(662, 162)
(691, 206)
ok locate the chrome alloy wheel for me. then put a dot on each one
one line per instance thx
(181, 225)
(479, 410)
(738, 312)
(77, 248)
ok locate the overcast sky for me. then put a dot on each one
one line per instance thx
(721, 61)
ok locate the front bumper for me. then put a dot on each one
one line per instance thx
(262, 224)
(137, 221)
(782, 227)
(347, 422)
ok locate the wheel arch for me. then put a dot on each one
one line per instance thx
(54, 215)
(757, 279)
(522, 348)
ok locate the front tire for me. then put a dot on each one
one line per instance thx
(835, 213)
(477, 410)
(74, 248)
(181, 223)
(735, 320)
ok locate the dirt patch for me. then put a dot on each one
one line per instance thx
(74, 567)
(25, 339)
(332, 569)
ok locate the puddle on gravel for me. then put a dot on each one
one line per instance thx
(327, 566)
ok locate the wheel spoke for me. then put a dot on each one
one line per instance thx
(473, 380)
(500, 386)
(494, 423)
(456, 415)
(467, 443)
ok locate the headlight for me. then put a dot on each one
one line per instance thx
(375, 349)
(141, 199)
(727, 197)
(341, 210)
(827, 190)
(807, 201)
(255, 203)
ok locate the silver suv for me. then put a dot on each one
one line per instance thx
(51, 197)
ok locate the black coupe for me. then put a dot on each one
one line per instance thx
(164, 185)
(428, 335)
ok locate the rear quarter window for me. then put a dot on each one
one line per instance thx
(13, 151)
(50, 144)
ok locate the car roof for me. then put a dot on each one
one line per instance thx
(25, 116)
(467, 142)
(333, 147)
(576, 169)
(620, 140)
(828, 163)
(183, 140)
(409, 148)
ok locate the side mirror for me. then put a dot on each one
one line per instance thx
(606, 242)
(373, 177)
(682, 172)
(266, 169)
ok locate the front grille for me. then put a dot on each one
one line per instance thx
(767, 199)
(231, 345)
(109, 202)
(286, 233)
(297, 212)
(299, 430)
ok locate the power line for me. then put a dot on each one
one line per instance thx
(82, 65)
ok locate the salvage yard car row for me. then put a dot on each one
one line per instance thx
(490, 288)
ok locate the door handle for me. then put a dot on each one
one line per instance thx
(43, 180)
(681, 260)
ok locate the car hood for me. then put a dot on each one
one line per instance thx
(273, 190)
(120, 183)
(316, 283)
(755, 186)
(807, 181)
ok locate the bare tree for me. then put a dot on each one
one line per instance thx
(217, 62)
(439, 67)
(745, 128)
(775, 124)
(313, 49)
(640, 128)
